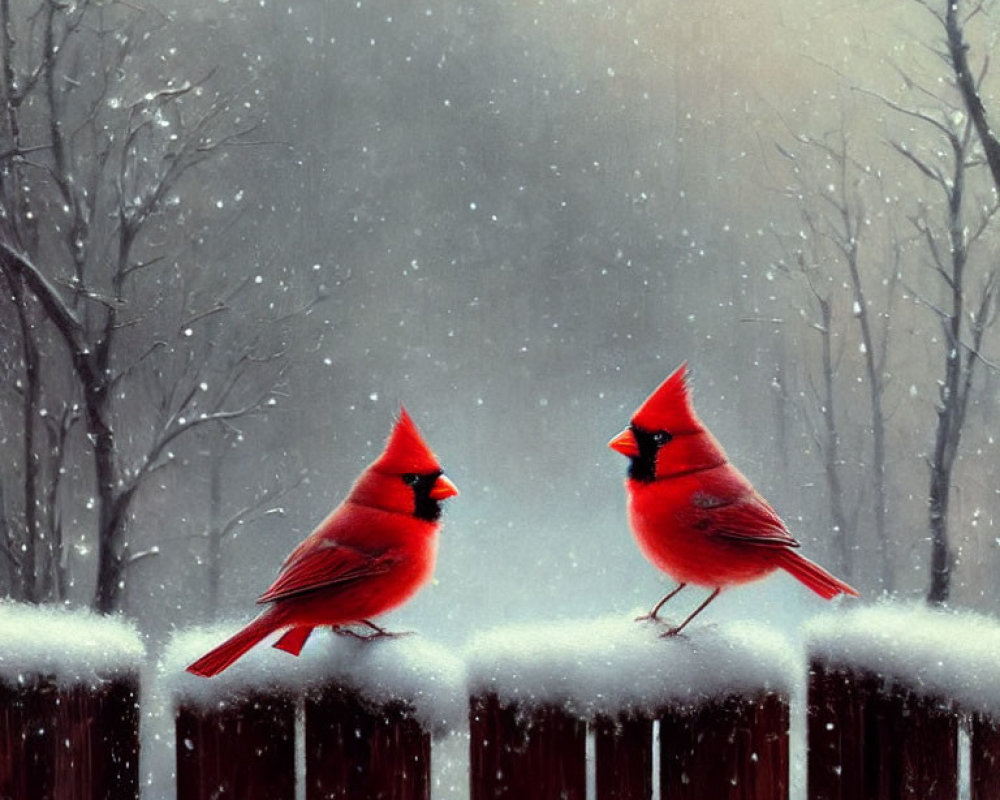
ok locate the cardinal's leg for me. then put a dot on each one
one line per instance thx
(342, 631)
(695, 613)
(652, 615)
(380, 631)
(377, 632)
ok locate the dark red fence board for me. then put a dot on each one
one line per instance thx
(518, 753)
(69, 743)
(837, 735)
(357, 751)
(243, 751)
(876, 740)
(623, 752)
(922, 733)
(734, 748)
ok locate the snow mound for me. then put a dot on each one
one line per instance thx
(613, 665)
(71, 647)
(934, 652)
(406, 668)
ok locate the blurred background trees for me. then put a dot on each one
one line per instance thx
(113, 352)
(236, 235)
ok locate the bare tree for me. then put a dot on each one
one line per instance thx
(804, 262)
(835, 228)
(964, 320)
(100, 260)
(33, 536)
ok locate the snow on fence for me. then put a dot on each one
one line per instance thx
(530, 694)
(362, 713)
(69, 705)
(890, 688)
(600, 708)
(720, 699)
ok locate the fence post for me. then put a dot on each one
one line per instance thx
(534, 688)
(369, 709)
(869, 737)
(517, 752)
(357, 750)
(836, 725)
(243, 749)
(623, 752)
(69, 742)
(69, 715)
(733, 747)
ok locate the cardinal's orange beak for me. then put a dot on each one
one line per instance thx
(625, 444)
(443, 489)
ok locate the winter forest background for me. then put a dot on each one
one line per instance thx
(238, 234)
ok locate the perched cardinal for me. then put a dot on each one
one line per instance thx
(370, 555)
(696, 516)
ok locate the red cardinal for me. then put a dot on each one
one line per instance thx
(370, 555)
(695, 515)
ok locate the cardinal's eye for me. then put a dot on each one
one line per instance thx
(661, 438)
(411, 478)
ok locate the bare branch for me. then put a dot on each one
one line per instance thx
(930, 240)
(147, 353)
(931, 172)
(930, 9)
(919, 298)
(141, 265)
(46, 292)
(958, 50)
(133, 558)
(909, 112)
(183, 425)
(256, 510)
(200, 315)
(984, 221)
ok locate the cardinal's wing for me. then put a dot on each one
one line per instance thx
(323, 565)
(747, 519)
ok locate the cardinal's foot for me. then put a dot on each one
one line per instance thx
(652, 616)
(377, 632)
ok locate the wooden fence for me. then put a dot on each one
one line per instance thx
(873, 737)
(734, 747)
(870, 735)
(353, 749)
(69, 742)
(868, 739)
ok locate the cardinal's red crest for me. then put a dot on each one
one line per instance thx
(669, 408)
(405, 450)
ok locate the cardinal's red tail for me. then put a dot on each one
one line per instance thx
(294, 640)
(213, 662)
(813, 575)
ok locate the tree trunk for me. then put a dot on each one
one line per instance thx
(940, 584)
(958, 50)
(879, 457)
(26, 587)
(7, 541)
(954, 393)
(111, 508)
(214, 536)
(878, 431)
(940, 491)
(831, 447)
